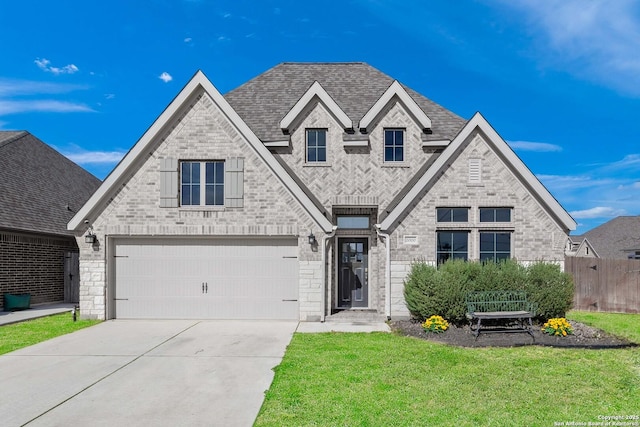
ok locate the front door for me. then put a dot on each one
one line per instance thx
(353, 271)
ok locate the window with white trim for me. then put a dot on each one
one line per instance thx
(394, 145)
(202, 183)
(316, 145)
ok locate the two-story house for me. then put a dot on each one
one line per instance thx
(307, 190)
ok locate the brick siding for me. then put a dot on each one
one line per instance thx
(33, 264)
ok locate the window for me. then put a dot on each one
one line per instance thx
(354, 222)
(316, 145)
(202, 183)
(495, 246)
(495, 214)
(393, 145)
(452, 214)
(452, 245)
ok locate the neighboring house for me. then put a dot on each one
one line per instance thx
(40, 191)
(310, 189)
(618, 238)
(580, 246)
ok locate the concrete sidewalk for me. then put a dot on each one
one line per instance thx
(343, 326)
(43, 310)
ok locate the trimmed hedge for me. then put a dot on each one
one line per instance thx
(441, 291)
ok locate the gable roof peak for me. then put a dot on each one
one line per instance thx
(395, 90)
(316, 91)
(265, 100)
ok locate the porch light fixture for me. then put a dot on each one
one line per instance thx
(312, 239)
(90, 237)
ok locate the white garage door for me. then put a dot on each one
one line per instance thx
(206, 279)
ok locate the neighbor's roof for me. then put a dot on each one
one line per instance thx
(616, 238)
(37, 184)
(355, 86)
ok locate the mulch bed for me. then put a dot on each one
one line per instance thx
(583, 337)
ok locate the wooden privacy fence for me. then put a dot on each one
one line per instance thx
(611, 285)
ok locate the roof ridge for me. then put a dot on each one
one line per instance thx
(323, 62)
(20, 134)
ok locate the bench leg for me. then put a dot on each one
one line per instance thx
(478, 328)
(530, 330)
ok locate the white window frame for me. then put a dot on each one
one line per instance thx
(203, 184)
(394, 146)
(306, 142)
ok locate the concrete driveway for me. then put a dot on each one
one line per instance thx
(145, 373)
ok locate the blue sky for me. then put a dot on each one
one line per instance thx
(558, 79)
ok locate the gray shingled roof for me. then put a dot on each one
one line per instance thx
(37, 183)
(613, 238)
(355, 86)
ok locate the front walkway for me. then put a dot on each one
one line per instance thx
(43, 310)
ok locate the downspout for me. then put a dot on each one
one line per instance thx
(323, 294)
(387, 271)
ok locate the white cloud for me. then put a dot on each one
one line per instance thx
(630, 161)
(42, 105)
(597, 40)
(109, 95)
(14, 87)
(188, 40)
(96, 157)
(45, 65)
(542, 147)
(165, 77)
(598, 212)
(84, 157)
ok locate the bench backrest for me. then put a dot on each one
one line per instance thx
(489, 301)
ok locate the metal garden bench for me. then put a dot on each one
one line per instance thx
(487, 305)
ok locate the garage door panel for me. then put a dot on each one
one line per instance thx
(244, 279)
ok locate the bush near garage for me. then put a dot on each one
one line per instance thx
(441, 291)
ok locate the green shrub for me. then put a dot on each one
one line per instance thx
(441, 291)
(550, 288)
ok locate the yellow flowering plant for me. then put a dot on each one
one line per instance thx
(558, 326)
(436, 324)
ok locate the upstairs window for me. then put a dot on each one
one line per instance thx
(202, 183)
(495, 214)
(452, 214)
(393, 145)
(316, 145)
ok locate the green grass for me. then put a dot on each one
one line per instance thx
(619, 324)
(384, 379)
(24, 334)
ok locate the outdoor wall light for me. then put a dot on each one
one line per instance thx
(90, 237)
(312, 238)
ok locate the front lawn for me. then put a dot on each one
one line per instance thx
(619, 324)
(23, 334)
(384, 379)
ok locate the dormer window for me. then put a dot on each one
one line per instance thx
(316, 145)
(394, 145)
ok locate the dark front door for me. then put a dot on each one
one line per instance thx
(353, 268)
